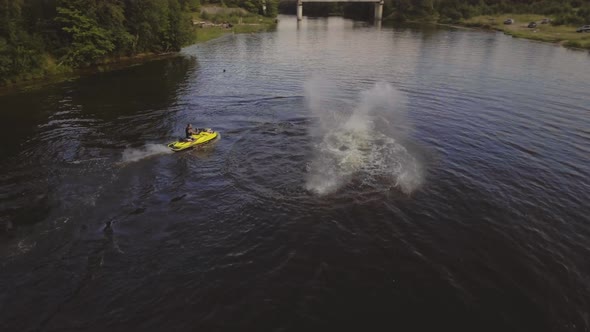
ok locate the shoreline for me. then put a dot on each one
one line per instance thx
(203, 35)
(123, 62)
(107, 65)
(563, 35)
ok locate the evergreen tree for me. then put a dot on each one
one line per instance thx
(179, 27)
(148, 22)
(19, 51)
(87, 41)
(272, 8)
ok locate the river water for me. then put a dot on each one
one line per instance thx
(411, 178)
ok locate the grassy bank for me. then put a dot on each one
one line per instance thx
(563, 34)
(202, 35)
(241, 21)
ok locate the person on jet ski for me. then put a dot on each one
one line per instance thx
(190, 131)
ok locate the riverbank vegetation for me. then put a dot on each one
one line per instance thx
(211, 32)
(40, 38)
(569, 12)
(214, 21)
(565, 15)
(563, 34)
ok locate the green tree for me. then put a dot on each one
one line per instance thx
(272, 8)
(191, 5)
(89, 41)
(19, 51)
(5, 61)
(110, 15)
(179, 27)
(147, 21)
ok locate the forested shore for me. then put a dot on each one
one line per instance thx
(45, 37)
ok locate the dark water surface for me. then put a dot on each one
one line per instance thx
(408, 179)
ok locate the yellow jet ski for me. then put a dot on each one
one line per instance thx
(198, 139)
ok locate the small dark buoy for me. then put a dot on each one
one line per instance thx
(224, 70)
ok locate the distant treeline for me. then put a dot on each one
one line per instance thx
(51, 36)
(572, 12)
(563, 11)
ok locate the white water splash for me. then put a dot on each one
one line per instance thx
(361, 140)
(133, 155)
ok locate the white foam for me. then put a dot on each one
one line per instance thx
(360, 140)
(150, 150)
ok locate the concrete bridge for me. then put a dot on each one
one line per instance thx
(378, 7)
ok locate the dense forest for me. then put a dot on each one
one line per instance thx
(574, 12)
(38, 37)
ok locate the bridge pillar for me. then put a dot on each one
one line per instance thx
(299, 10)
(379, 10)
